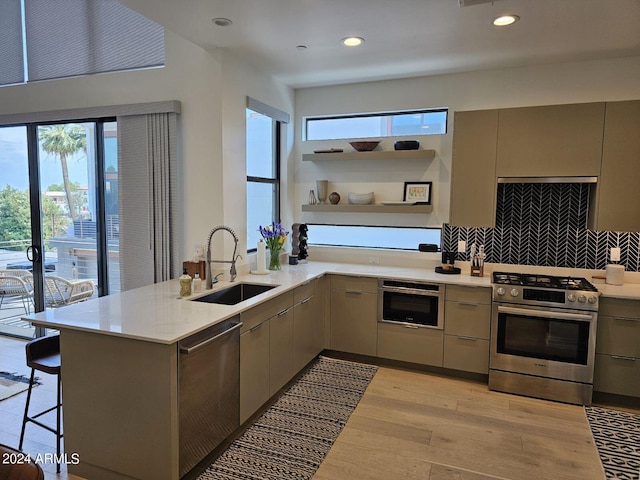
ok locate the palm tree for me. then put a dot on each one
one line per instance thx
(63, 141)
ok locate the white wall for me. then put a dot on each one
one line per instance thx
(212, 89)
(605, 80)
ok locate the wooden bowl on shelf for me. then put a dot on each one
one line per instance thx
(365, 146)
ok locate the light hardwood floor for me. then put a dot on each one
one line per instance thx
(412, 425)
(408, 425)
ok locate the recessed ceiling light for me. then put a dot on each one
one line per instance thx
(505, 20)
(352, 41)
(221, 22)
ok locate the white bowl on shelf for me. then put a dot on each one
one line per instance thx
(360, 198)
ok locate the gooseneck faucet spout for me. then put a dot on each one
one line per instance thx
(209, 282)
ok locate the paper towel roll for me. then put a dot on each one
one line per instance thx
(614, 274)
(261, 257)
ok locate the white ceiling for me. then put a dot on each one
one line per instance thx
(404, 38)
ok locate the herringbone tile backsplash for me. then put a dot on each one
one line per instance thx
(545, 224)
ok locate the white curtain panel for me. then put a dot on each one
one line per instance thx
(148, 185)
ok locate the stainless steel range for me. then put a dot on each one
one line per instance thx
(543, 336)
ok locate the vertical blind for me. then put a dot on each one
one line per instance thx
(11, 58)
(66, 38)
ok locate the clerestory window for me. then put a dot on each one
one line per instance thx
(52, 39)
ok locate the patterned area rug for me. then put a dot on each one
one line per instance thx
(290, 440)
(12, 384)
(617, 436)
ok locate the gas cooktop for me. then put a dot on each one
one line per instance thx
(545, 290)
(543, 281)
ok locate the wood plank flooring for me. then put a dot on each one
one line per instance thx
(420, 426)
(408, 425)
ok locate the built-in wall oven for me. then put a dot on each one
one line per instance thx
(543, 337)
(414, 304)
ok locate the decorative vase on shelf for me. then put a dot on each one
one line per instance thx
(274, 259)
(322, 187)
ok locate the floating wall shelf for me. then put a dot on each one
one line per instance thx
(347, 207)
(375, 155)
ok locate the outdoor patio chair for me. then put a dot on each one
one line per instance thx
(59, 291)
(14, 287)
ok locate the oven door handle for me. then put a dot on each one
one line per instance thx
(412, 291)
(545, 314)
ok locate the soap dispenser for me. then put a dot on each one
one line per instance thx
(185, 284)
(197, 283)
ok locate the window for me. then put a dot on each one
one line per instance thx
(400, 238)
(391, 124)
(263, 173)
(44, 40)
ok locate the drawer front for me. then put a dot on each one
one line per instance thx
(466, 354)
(304, 291)
(617, 375)
(618, 336)
(416, 345)
(458, 293)
(467, 319)
(359, 284)
(616, 307)
(262, 312)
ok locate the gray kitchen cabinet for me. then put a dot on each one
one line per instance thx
(473, 171)
(354, 303)
(617, 364)
(410, 344)
(308, 326)
(467, 327)
(256, 352)
(280, 350)
(617, 207)
(550, 141)
(254, 369)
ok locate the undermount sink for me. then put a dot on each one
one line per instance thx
(235, 294)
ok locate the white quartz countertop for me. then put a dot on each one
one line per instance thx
(156, 313)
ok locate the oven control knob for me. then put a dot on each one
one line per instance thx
(571, 297)
(593, 299)
(514, 292)
(500, 291)
(582, 298)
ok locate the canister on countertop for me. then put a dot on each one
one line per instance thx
(614, 274)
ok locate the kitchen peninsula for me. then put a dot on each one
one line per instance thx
(120, 358)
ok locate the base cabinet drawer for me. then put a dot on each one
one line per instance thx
(353, 321)
(618, 336)
(618, 375)
(467, 319)
(466, 353)
(254, 369)
(416, 345)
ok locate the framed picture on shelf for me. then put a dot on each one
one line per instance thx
(418, 192)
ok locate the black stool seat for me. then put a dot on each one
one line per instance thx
(43, 354)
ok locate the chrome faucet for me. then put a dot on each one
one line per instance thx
(210, 280)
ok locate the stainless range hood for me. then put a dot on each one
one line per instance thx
(547, 179)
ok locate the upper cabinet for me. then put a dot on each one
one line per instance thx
(550, 141)
(473, 176)
(617, 207)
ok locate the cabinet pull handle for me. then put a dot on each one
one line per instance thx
(354, 292)
(628, 359)
(468, 338)
(469, 304)
(253, 329)
(283, 312)
(411, 326)
(627, 319)
(306, 300)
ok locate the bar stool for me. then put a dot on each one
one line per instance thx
(43, 354)
(16, 470)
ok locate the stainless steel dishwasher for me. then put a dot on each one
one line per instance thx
(208, 390)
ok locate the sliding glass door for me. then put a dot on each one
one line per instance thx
(16, 290)
(61, 213)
